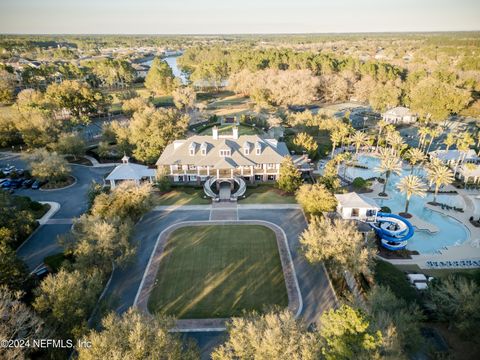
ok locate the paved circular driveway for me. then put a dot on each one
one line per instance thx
(194, 325)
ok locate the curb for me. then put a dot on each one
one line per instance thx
(62, 188)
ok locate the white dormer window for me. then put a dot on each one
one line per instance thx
(203, 148)
(191, 149)
(224, 153)
(246, 148)
(258, 148)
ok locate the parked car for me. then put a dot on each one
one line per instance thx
(7, 170)
(37, 184)
(2, 181)
(42, 272)
(27, 183)
(7, 183)
(16, 183)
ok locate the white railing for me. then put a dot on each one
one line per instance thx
(207, 187)
(242, 187)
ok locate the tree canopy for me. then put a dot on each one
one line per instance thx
(290, 178)
(160, 79)
(338, 243)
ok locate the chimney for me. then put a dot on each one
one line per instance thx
(235, 132)
(215, 133)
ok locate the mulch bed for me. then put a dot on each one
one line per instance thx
(79, 161)
(58, 185)
(399, 254)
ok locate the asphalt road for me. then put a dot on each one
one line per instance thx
(73, 203)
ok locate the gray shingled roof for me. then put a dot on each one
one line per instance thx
(177, 152)
(399, 111)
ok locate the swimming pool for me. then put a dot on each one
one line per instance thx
(450, 231)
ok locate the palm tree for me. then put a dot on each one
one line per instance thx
(415, 156)
(411, 185)
(439, 175)
(381, 125)
(450, 140)
(469, 167)
(390, 164)
(434, 133)
(359, 139)
(395, 140)
(463, 145)
(422, 133)
(343, 158)
(335, 138)
(345, 132)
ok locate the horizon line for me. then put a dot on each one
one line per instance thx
(243, 34)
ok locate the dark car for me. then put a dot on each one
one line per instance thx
(7, 184)
(16, 183)
(27, 183)
(18, 172)
(42, 272)
(37, 184)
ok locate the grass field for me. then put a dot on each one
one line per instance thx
(218, 271)
(182, 196)
(266, 195)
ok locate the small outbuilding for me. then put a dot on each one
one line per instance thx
(130, 172)
(353, 206)
(453, 157)
(399, 115)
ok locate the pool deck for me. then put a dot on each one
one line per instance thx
(449, 256)
(416, 221)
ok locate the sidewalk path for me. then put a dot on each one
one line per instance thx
(95, 162)
(54, 207)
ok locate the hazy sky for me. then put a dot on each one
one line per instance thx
(228, 16)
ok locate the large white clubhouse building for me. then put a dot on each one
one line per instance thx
(199, 157)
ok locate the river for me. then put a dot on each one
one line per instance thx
(172, 62)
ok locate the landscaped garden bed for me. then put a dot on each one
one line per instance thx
(218, 271)
(79, 160)
(59, 184)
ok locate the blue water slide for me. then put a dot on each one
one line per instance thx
(393, 236)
